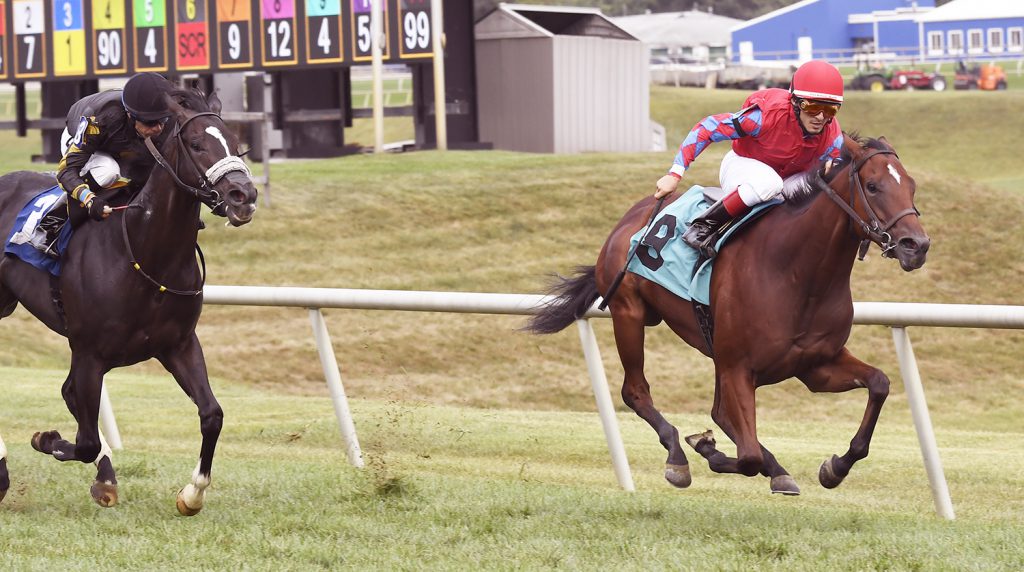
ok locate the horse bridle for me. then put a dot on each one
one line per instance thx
(207, 194)
(874, 229)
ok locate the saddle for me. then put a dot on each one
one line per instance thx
(662, 256)
(28, 241)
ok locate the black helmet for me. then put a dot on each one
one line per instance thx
(143, 96)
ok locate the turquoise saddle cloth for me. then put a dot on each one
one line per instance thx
(662, 257)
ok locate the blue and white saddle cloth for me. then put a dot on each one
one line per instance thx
(19, 240)
(663, 258)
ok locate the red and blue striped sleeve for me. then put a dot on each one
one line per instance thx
(720, 127)
(834, 149)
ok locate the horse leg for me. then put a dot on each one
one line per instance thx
(81, 392)
(734, 411)
(104, 487)
(5, 479)
(844, 373)
(627, 321)
(704, 443)
(781, 481)
(188, 366)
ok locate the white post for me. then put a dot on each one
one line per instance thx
(107, 421)
(923, 423)
(874, 38)
(440, 115)
(330, 367)
(599, 383)
(377, 63)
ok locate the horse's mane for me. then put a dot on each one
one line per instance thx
(799, 189)
(193, 99)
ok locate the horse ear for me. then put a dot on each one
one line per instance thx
(214, 102)
(885, 142)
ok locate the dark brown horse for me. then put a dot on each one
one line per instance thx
(780, 301)
(131, 287)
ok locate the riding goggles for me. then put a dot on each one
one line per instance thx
(813, 108)
(149, 123)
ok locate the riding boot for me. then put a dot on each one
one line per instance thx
(702, 230)
(48, 230)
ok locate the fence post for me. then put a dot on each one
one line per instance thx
(107, 421)
(923, 423)
(599, 383)
(330, 367)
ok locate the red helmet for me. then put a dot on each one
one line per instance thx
(818, 80)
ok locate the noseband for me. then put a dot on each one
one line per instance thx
(873, 228)
(207, 194)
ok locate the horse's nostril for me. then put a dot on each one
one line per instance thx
(237, 196)
(918, 246)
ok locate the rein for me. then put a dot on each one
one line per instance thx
(875, 230)
(207, 195)
(138, 267)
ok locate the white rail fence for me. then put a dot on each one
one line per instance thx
(898, 316)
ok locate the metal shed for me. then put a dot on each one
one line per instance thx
(561, 80)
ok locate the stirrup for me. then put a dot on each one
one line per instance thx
(707, 247)
(51, 249)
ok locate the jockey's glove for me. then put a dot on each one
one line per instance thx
(98, 208)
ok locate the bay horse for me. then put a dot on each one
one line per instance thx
(130, 288)
(780, 302)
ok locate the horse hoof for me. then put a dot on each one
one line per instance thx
(105, 494)
(184, 509)
(678, 475)
(785, 485)
(827, 475)
(42, 441)
(698, 438)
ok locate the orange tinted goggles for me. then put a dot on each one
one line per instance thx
(815, 107)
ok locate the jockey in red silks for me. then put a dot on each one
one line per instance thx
(778, 133)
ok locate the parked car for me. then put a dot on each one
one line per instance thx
(987, 76)
(906, 79)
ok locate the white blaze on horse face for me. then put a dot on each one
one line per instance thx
(895, 174)
(220, 137)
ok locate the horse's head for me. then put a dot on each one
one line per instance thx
(206, 157)
(880, 199)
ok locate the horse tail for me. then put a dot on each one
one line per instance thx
(573, 297)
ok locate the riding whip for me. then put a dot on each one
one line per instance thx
(622, 273)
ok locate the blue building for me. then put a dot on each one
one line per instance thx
(831, 29)
(974, 29)
(841, 30)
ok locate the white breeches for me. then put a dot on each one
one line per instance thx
(3, 449)
(103, 167)
(756, 181)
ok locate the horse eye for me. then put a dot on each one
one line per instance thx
(195, 146)
(872, 188)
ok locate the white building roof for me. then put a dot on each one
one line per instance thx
(773, 14)
(690, 28)
(528, 21)
(975, 10)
